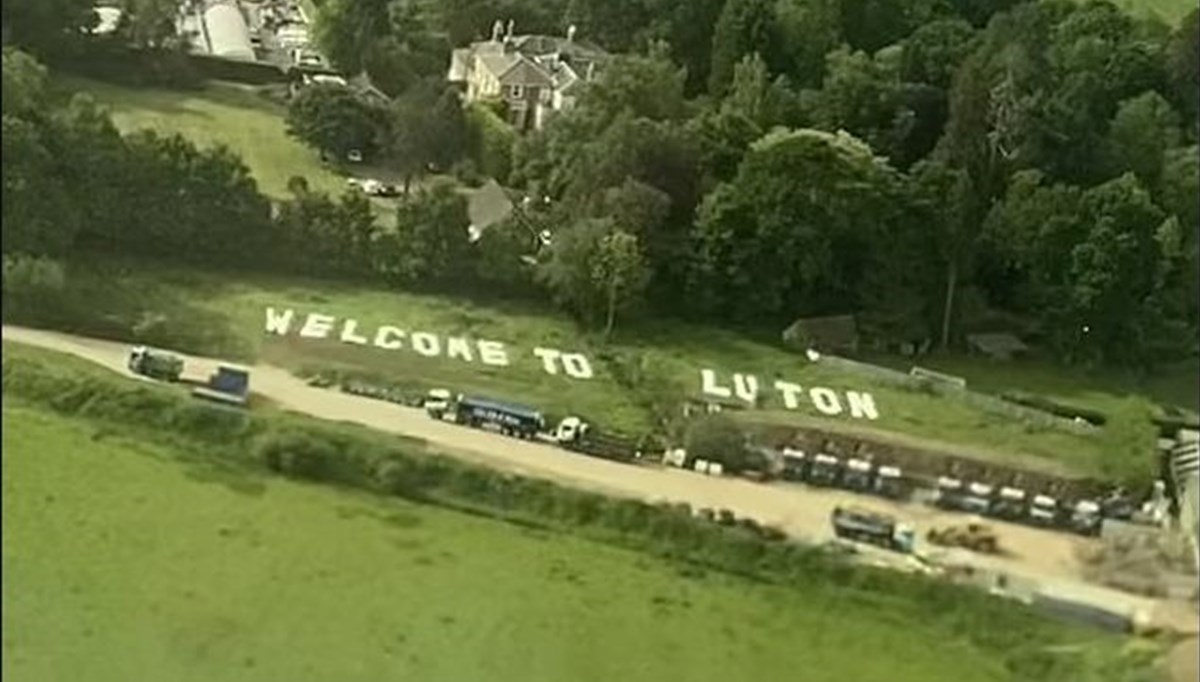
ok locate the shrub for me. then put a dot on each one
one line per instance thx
(717, 438)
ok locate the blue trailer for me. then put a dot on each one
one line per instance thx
(509, 418)
(228, 385)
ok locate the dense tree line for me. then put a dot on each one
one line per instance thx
(924, 165)
(934, 167)
(74, 184)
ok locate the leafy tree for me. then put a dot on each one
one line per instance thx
(744, 26)
(723, 136)
(947, 194)
(595, 271)
(490, 142)
(347, 31)
(503, 258)
(326, 237)
(1183, 68)
(870, 25)
(716, 438)
(793, 232)
(647, 87)
(860, 96)
(46, 28)
(1092, 267)
(808, 30)
(687, 28)
(335, 120)
(615, 24)
(430, 242)
(24, 84)
(1142, 131)
(39, 219)
(754, 95)
(935, 51)
(636, 207)
(150, 23)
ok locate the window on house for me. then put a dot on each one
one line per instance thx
(516, 91)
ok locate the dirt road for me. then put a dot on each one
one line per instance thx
(802, 512)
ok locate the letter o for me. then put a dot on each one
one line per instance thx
(426, 344)
(826, 401)
(577, 365)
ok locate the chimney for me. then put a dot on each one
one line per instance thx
(571, 33)
(509, 34)
(497, 28)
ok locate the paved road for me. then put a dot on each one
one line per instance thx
(802, 512)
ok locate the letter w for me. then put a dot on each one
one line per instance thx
(279, 323)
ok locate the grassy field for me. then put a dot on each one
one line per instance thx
(111, 544)
(220, 316)
(235, 116)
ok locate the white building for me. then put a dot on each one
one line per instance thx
(226, 32)
(534, 75)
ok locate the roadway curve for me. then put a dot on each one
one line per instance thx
(802, 512)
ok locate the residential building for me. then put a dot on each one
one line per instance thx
(534, 75)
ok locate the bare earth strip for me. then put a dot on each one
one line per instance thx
(804, 513)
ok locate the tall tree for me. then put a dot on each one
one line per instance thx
(46, 28)
(744, 26)
(595, 271)
(1183, 68)
(1140, 134)
(335, 120)
(430, 242)
(808, 30)
(794, 231)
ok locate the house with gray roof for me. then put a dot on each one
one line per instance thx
(534, 75)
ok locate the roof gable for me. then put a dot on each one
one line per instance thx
(526, 73)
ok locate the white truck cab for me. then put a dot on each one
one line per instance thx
(570, 430)
(437, 403)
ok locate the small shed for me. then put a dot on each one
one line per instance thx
(834, 333)
(998, 346)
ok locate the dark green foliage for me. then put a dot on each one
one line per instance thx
(717, 438)
(335, 120)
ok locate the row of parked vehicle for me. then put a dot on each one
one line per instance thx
(860, 475)
(1018, 505)
(1008, 503)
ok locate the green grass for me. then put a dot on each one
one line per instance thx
(228, 114)
(113, 545)
(225, 316)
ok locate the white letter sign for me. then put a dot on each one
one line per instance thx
(856, 404)
(426, 344)
(577, 365)
(317, 326)
(279, 323)
(709, 386)
(548, 356)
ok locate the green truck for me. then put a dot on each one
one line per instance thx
(155, 364)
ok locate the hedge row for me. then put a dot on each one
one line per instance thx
(317, 451)
(1054, 407)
